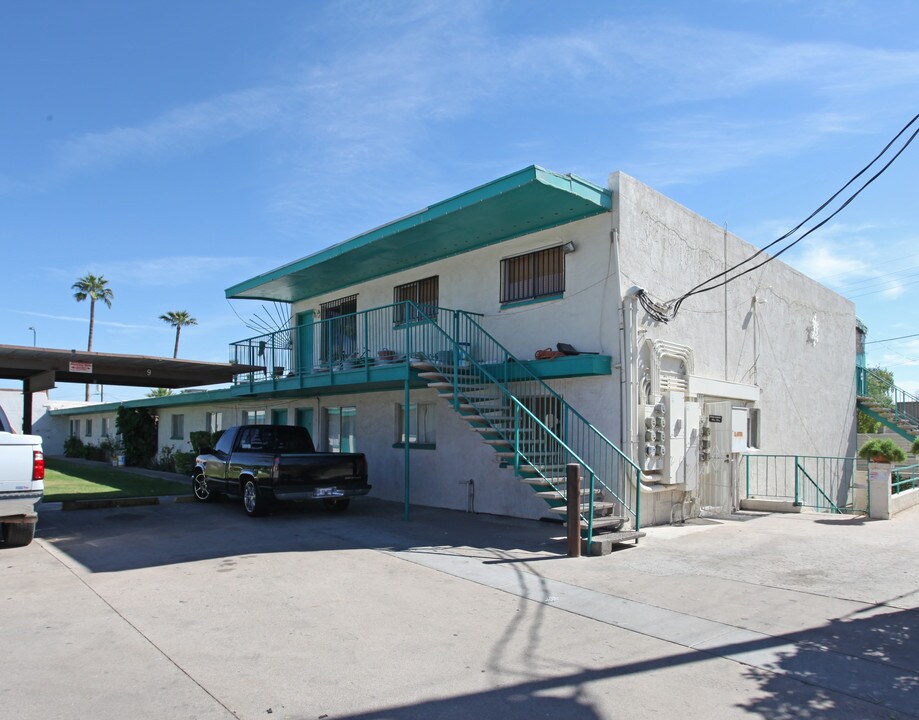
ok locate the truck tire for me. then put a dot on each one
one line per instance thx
(201, 488)
(18, 534)
(255, 500)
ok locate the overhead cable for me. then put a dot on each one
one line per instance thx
(664, 312)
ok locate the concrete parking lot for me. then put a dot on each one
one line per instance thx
(190, 611)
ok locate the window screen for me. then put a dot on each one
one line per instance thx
(424, 293)
(534, 275)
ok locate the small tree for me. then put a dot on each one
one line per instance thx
(137, 428)
(879, 382)
(178, 319)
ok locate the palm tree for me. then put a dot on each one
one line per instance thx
(94, 287)
(160, 392)
(178, 319)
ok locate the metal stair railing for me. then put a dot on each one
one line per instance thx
(895, 396)
(543, 430)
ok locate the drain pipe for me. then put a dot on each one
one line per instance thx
(625, 370)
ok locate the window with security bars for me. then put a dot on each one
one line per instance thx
(424, 293)
(534, 275)
(339, 328)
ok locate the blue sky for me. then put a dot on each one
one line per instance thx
(178, 148)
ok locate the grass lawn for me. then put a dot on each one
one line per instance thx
(74, 481)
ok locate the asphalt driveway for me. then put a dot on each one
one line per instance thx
(190, 611)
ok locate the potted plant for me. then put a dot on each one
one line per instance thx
(883, 451)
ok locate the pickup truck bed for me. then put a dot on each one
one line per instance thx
(22, 473)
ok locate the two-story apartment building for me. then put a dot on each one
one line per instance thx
(415, 343)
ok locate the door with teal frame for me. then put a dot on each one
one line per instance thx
(304, 418)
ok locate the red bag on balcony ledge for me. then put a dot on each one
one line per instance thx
(548, 354)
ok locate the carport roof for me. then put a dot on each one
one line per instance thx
(75, 366)
(523, 202)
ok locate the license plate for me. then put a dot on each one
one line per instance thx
(325, 492)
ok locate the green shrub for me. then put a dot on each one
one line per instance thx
(165, 461)
(111, 446)
(93, 452)
(200, 439)
(74, 448)
(885, 450)
(184, 462)
(915, 448)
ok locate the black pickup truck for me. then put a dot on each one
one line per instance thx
(265, 463)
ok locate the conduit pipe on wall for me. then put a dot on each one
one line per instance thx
(628, 357)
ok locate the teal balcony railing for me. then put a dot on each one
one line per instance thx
(819, 483)
(357, 341)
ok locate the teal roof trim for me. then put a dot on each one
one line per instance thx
(178, 399)
(518, 204)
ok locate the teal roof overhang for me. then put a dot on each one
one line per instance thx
(524, 202)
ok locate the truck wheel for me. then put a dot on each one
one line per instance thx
(255, 500)
(18, 534)
(202, 490)
(336, 504)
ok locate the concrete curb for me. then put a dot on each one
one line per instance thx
(106, 503)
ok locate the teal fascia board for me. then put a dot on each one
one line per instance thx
(521, 203)
(193, 398)
(375, 379)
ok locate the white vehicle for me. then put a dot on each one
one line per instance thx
(22, 483)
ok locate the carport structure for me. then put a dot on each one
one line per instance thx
(41, 368)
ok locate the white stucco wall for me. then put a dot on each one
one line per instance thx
(807, 399)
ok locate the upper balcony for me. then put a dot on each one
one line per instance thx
(375, 349)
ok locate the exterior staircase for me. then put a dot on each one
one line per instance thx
(528, 425)
(897, 409)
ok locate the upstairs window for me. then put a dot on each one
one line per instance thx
(539, 274)
(425, 295)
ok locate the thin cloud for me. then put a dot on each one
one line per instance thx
(170, 271)
(85, 321)
(179, 131)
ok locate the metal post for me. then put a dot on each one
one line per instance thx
(797, 497)
(407, 478)
(748, 476)
(516, 440)
(573, 494)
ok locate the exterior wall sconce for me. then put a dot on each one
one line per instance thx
(569, 247)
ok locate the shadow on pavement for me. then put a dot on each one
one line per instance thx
(118, 539)
(814, 678)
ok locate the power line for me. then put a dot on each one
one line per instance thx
(902, 337)
(667, 311)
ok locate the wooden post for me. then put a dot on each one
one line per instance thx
(573, 493)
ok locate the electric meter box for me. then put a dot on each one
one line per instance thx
(739, 422)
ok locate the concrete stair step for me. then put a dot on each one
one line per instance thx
(599, 507)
